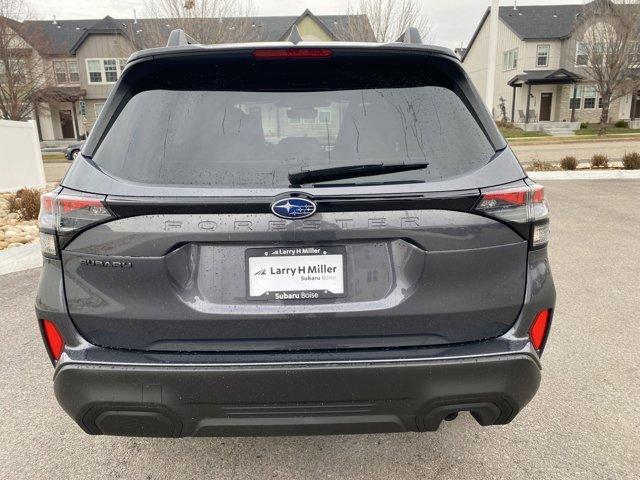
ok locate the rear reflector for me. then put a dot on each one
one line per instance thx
(282, 53)
(538, 330)
(53, 338)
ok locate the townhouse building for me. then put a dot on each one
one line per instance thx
(540, 79)
(86, 57)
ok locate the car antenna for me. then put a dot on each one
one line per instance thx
(178, 38)
(410, 35)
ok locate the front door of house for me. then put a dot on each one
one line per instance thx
(66, 124)
(545, 106)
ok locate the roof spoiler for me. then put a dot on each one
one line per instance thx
(178, 38)
(410, 35)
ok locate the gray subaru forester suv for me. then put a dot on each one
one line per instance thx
(294, 238)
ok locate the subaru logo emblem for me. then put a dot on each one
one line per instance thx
(293, 208)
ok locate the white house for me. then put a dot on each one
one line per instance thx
(539, 72)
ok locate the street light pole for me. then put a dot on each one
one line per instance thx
(493, 54)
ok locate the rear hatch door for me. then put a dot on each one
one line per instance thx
(203, 252)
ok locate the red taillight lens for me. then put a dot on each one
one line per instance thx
(53, 339)
(283, 53)
(508, 197)
(538, 330)
(521, 205)
(69, 204)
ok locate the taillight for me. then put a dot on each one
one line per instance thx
(77, 212)
(63, 214)
(53, 339)
(539, 329)
(284, 53)
(524, 206)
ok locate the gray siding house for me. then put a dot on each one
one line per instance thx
(540, 69)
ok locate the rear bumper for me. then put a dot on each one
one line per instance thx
(293, 399)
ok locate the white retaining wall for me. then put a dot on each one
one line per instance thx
(20, 157)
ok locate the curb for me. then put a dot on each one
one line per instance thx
(573, 139)
(20, 258)
(589, 175)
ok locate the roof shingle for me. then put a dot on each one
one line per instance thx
(58, 39)
(538, 22)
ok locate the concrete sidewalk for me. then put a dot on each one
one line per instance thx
(20, 258)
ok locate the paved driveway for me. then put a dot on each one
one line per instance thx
(583, 424)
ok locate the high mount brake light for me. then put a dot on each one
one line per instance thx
(519, 205)
(65, 213)
(283, 53)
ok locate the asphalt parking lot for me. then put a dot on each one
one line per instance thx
(583, 423)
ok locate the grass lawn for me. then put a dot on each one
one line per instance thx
(515, 132)
(54, 157)
(611, 130)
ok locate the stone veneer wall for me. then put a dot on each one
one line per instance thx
(591, 115)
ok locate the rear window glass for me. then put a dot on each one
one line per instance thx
(254, 139)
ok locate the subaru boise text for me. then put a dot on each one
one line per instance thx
(294, 238)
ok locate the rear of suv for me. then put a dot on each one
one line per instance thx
(306, 238)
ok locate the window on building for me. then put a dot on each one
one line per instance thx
(577, 101)
(542, 56)
(105, 70)
(94, 68)
(324, 116)
(15, 72)
(598, 53)
(110, 70)
(589, 94)
(60, 69)
(66, 71)
(510, 59)
(582, 55)
(72, 68)
(3, 72)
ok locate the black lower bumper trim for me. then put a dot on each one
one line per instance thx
(174, 401)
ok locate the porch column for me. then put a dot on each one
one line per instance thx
(75, 120)
(573, 102)
(513, 105)
(526, 114)
(634, 99)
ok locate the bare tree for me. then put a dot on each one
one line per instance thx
(390, 18)
(609, 50)
(23, 72)
(207, 21)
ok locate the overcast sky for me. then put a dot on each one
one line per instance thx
(454, 20)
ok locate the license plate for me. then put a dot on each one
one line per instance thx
(295, 273)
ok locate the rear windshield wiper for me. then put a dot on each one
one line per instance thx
(352, 171)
